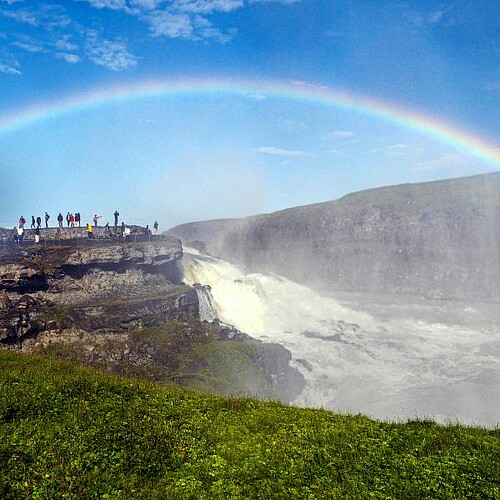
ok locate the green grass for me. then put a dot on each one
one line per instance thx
(57, 314)
(71, 432)
(188, 354)
(227, 368)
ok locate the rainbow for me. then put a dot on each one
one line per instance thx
(424, 124)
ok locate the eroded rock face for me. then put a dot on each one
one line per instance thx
(26, 317)
(436, 239)
(151, 254)
(121, 307)
(21, 317)
(57, 269)
(22, 278)
(84, 281)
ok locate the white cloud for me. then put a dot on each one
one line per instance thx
(46, 16)
(21, 16)
(436, 16)
(255, 96)
(112, 55)
(134, 7)
(448, 160)
(204, 29)
(64, 44)
(337, 135)
(284, 2)
(108, 4)
(146, 4)
(337, 152)
(164, 23)
(10, 69)
(69, 58)
(439, 16)
(175, 6)
(186, 19)
(185, 25)
(63, 38)
(398, 149)
(52, 24)
(29, 45)
(308, 85)
(206, 6)
(270, 150)
(53, 16)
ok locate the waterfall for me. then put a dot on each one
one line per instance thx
(206, 307)
(390, 358)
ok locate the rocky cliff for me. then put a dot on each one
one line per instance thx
(122, 307)
(436, 239)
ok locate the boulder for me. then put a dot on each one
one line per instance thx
(22, 278)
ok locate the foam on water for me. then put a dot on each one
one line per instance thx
(390, 366)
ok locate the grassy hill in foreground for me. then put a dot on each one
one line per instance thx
(71, 432)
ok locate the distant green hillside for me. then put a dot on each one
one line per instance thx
(69, 432)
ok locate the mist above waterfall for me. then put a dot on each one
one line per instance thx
(388, 357)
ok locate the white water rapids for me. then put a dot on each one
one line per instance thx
(388, 357)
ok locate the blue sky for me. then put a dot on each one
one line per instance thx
(192, 157)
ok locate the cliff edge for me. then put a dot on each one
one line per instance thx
(122, 307)
(436, 239)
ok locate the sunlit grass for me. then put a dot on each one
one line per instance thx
(71, 432)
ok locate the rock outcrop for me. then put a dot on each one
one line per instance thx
(438, 239)
(42, 280)
(122, 307)
(22, 318)
(76, 268)
(22, 277)
(152, 254)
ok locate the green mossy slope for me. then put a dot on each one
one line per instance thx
(71, 432)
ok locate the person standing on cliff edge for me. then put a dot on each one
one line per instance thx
(116, 214)
(60, 219)
(47, 217)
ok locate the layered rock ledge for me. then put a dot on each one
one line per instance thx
(122, 306)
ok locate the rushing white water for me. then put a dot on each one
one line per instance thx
(384, 357)
(206, 307)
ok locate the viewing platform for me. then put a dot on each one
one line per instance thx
(78, 236)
